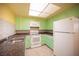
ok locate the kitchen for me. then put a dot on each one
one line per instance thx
(39, 29)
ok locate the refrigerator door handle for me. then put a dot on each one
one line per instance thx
(64, 32)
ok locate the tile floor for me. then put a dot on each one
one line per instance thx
(39, 51)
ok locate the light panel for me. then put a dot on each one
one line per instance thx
(51, 9)
(42, 9)
(38, 6)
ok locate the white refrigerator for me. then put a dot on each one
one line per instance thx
(66, 37)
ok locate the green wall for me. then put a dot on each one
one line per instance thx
(23, 23)
(72, 11)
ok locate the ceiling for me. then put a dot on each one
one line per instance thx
(22, 9)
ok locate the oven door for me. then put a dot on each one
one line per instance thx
(35, 41)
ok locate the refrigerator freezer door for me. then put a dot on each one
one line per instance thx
(64, 25)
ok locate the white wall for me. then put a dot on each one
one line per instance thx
(6, 29)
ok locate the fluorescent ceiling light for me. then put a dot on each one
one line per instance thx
(33, 13)
(38, 6)
(42, 9)
(51, 8)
